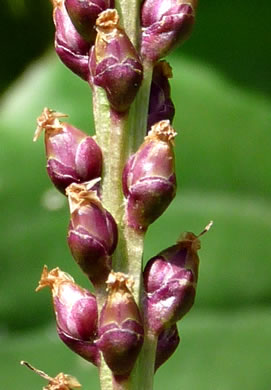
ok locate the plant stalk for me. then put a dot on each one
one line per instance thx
(120, 135)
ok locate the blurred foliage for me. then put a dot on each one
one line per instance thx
(223, 165)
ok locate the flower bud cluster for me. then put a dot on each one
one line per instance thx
(118, 334)
(91, 41)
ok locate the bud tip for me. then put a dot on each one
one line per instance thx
(48, 120)
(163, 131)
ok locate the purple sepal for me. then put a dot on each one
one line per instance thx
(170, 303)
(89, 254)
(77, 63)
(114, 62)
(71, 48)
(88, 350)
(149, 180)
(121, 331)
(167, 344)
(76, 312)
(170, 280)
(83, 14)
(72, 156)
(120, 348)
(92, 233)
(148, 199)
(160, 104)
(166, 31)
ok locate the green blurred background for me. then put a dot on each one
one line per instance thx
(222, 94)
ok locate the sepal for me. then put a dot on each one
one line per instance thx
(170, 281)
(149, 180)
(72, 156)
(76, 312)
(115, 65)
(92, 233)
(166, 24)
(71, 48)
(120, 328)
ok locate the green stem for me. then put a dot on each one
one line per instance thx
(129, 17)
(146, 362)
(119, 136)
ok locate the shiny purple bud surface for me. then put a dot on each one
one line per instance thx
(170, 281)
(72, 156)
(93, 234)
(166, 24)
(88, 350)
(161, 106)
(83, 14)
(76, 312)
(120, 328)
(149, 180)
(114, 63)
(71, 48)
(167, 344)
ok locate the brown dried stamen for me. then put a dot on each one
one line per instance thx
(60, 382)
(48, 120)
(81, 194)
(162, 131)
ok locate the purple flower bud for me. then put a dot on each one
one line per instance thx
(161, 106)
(83, 14)
(76, 313)
(71, 48)
(170, 280)
(166, 24)
(72, 156)
(93, 233)
(167, 344)
(149, 181)
(115, 65)
(120, 329)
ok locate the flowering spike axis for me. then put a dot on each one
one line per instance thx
(117, 184)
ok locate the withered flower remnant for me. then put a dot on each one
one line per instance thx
(93, 234)
(72, 156)
(114, 64)
(149, 180)
(120, 328)
(76, 312)
(59, 382)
